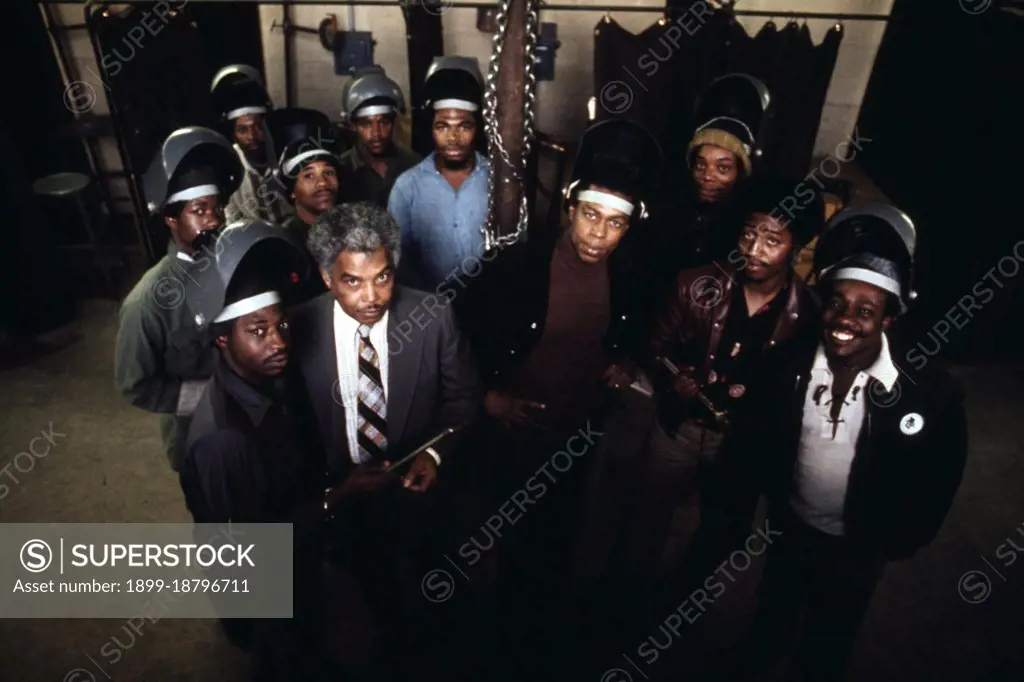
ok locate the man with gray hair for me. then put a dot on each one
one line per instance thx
(386, 370)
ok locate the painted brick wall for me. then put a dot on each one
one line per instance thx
(561, 103)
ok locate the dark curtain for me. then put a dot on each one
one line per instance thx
(943, 114)
(424, 40)
(665, 67)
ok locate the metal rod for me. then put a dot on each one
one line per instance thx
(140, 209)
(289, 96)
(287, 27)
(622, 9)
(92, 154)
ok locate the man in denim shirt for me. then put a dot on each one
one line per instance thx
(441, 203)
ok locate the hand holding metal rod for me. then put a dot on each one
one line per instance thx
(721, 417)
(423, 448)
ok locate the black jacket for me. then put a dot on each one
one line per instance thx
(686, 233)
(901, 484)
(247, 458)
(314, 284)
(517, 286)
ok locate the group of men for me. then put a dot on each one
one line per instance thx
(543, 421)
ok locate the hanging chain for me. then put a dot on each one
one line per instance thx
(495, 144)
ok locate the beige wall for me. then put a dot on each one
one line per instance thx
(561, 104)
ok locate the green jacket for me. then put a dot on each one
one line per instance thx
(257, 198)
(161, 362)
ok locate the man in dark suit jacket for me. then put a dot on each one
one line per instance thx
(386, 369)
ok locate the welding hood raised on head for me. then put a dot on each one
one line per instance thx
(186, 148)
(283, 260)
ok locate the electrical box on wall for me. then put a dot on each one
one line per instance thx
(544, 55)
(352, 50)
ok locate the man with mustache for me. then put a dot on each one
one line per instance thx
(864, 461)
(160, 362)
(441, 203)
(308, 173)
(721, 324)
(243, 103)
(247, 458)
(386, 369)
(370, 103)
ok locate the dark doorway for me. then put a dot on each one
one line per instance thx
(229, 32)
(162, 83)
(35, 282)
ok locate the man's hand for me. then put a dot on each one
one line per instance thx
(422, 474)
(684, 384)
(513, 412)
(619, 375)
(364, 479)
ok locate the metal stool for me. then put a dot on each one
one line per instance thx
(62, 185)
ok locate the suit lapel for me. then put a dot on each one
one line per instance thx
(323, 377)
(403, 367)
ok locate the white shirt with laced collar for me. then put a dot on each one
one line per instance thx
(827, 446)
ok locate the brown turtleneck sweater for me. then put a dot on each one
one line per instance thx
(564, 369)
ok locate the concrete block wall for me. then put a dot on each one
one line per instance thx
(561, 103)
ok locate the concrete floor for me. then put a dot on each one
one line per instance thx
(110, 467)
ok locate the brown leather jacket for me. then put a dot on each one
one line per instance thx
(690, 328)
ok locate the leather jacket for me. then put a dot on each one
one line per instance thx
(690, 328)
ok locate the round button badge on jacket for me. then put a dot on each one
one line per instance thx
(911, 423)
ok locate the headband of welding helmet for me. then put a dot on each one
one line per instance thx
(371, 93)
(617, 156)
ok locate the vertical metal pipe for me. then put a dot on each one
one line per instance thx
(289, 84)
(511, 123)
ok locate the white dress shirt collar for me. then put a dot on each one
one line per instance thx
(350, 325)
(882, 369)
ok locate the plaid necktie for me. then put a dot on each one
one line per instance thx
(371, 420)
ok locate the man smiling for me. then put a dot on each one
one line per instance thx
(865, 460)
